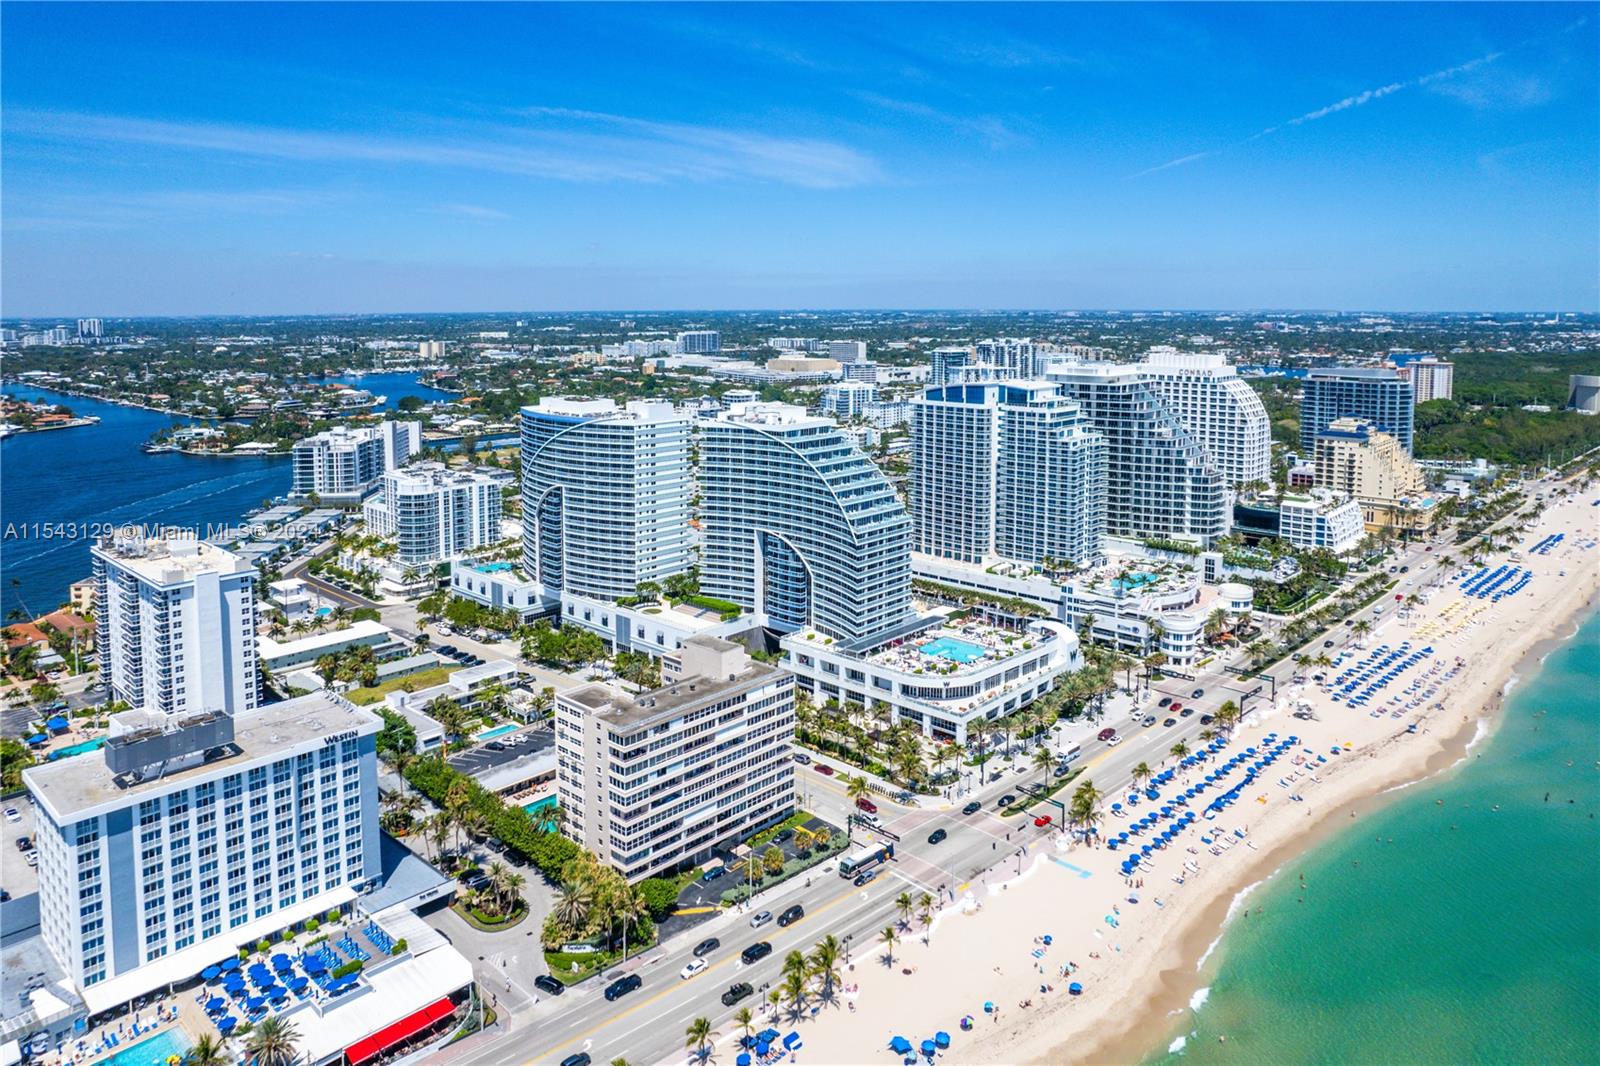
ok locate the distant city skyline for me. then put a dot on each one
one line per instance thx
(367, 159)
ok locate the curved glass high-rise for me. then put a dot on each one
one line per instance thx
(800, 525)
(605, 495)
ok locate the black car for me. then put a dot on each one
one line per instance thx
(936, 836)
(737, 992)
(755, 952)
(1206, 719)
(623, 985)
(548, 985)
(972, 808)
(792, 915)
(1327, 644)
(783, 834)
(706, 947)
(580, 1059)
(1005, 801)
(1170, 722)
(1164, 701)
(477, 881)
(495, 745)
(23, 843)
(1186, 712)
(1197, 693)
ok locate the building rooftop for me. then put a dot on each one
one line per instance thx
(77, 787)
(171, 561)
(625, 710)
(364, 630)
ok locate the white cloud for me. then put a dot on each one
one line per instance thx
(623, 149)
(992, 130)
(1180, 161)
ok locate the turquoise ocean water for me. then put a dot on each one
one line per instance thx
(1440, 930)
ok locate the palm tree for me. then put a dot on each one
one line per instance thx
(1141, 774)
(745, 1019)
(1208, 734)
(1043, 760)
(1179, 750)
(699, 1036)
(207, 1051)
(905, 906)
(272, 1042)
(889, 937)
(1086, 804)
(825, 963)
(1227, 715)
(794, 988)
(925, 914)
(773, 999)
(572, 905)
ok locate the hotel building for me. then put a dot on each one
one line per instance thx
(1378, 395)
(799, 525)
(176, 625)
(190, 834)
(1321, 519)
(1356, 459)
(1006, 470)
(435, 513)
(654, 781)
(1160, 480)
(605, 495)
(1217, 407)
(343, 464)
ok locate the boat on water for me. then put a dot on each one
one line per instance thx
(155, 449)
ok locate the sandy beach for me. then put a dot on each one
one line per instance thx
(1135, 943)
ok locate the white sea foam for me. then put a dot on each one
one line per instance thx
(1199, 998)
(1233, 907)
(1177, 1045)
(1481, 731)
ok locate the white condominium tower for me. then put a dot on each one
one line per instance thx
(435, 513)
(1006, 469)
(343, 464)
(800, 525)
(605, 495)
(176, 625)
(1160, 482)
(1013, 357)
(188, 835)
(946, 361)
(699, 341)
(1431, 379)
(1219, 408)
(655, 780)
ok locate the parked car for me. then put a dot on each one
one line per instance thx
(972, 808)
(477, 881)
(623, 985)
(713, 873)
(707, 946)
(783, 834)
(755, 952)
(580, 1058)
(1042, 821)
(824, 769)
(1105, 734)
(694, 967)
(495, 745)
(737, 992)
(790, 916)
(802, 758)
(936, 836)
(867, 805)
(13, 815)
(548, 985)
(23, 843)
(760, 918)
(1005, 801)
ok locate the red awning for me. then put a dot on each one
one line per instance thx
(402, 1030)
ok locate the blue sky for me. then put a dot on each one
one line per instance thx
(310, 158)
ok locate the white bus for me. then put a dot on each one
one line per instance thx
(865, 859)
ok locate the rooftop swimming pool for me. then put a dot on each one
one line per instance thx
(1136, 580)
(492, 568)
(957, 651)
(157, 1051)
(497, 731)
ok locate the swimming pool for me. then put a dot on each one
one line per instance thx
(323, 612)
(493, 568)
(153, 1052)
(539, 805)
(957, 651)
(497, 731)
(1136, 579)
(78, 749)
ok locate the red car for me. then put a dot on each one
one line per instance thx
(821, 769)
(867, 805)
(1107, 734)
(1176, 707)
(1042, 820)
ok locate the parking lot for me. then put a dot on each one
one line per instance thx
(19, 878)
(701, 899)
(507, 749)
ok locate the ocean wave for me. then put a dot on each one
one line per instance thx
(1233, 906)
(1199, 998)
(1482, 729)
(1177, 1045)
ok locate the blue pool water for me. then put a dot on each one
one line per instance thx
(1137, 579)
(78, 749)
(957, 651)
(153, 1052)
(321, 611)
(497, 731)
(492, 568)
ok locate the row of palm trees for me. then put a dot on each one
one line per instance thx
(804, 975)
(271, 1042)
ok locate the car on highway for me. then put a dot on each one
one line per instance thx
(1164, 701)
(790, 916)
(578, 1058)
(1105, 734)
(13, 815)
(972, 808)
(1197, 693)
(1327, 644)
(622, 986)
(737, 992)
(694, 967)
(1169, 723)
(1149, 720)
(755, 952)
(760, 918)
(1186, 712)
(867, 805)
(548, 985)
(864, 876)
(824, 769)
(802, 758)
(1005, 801)
(1042, 821)
(1113, 742)
(707, 946)
(936, 836)
(1176, 707)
